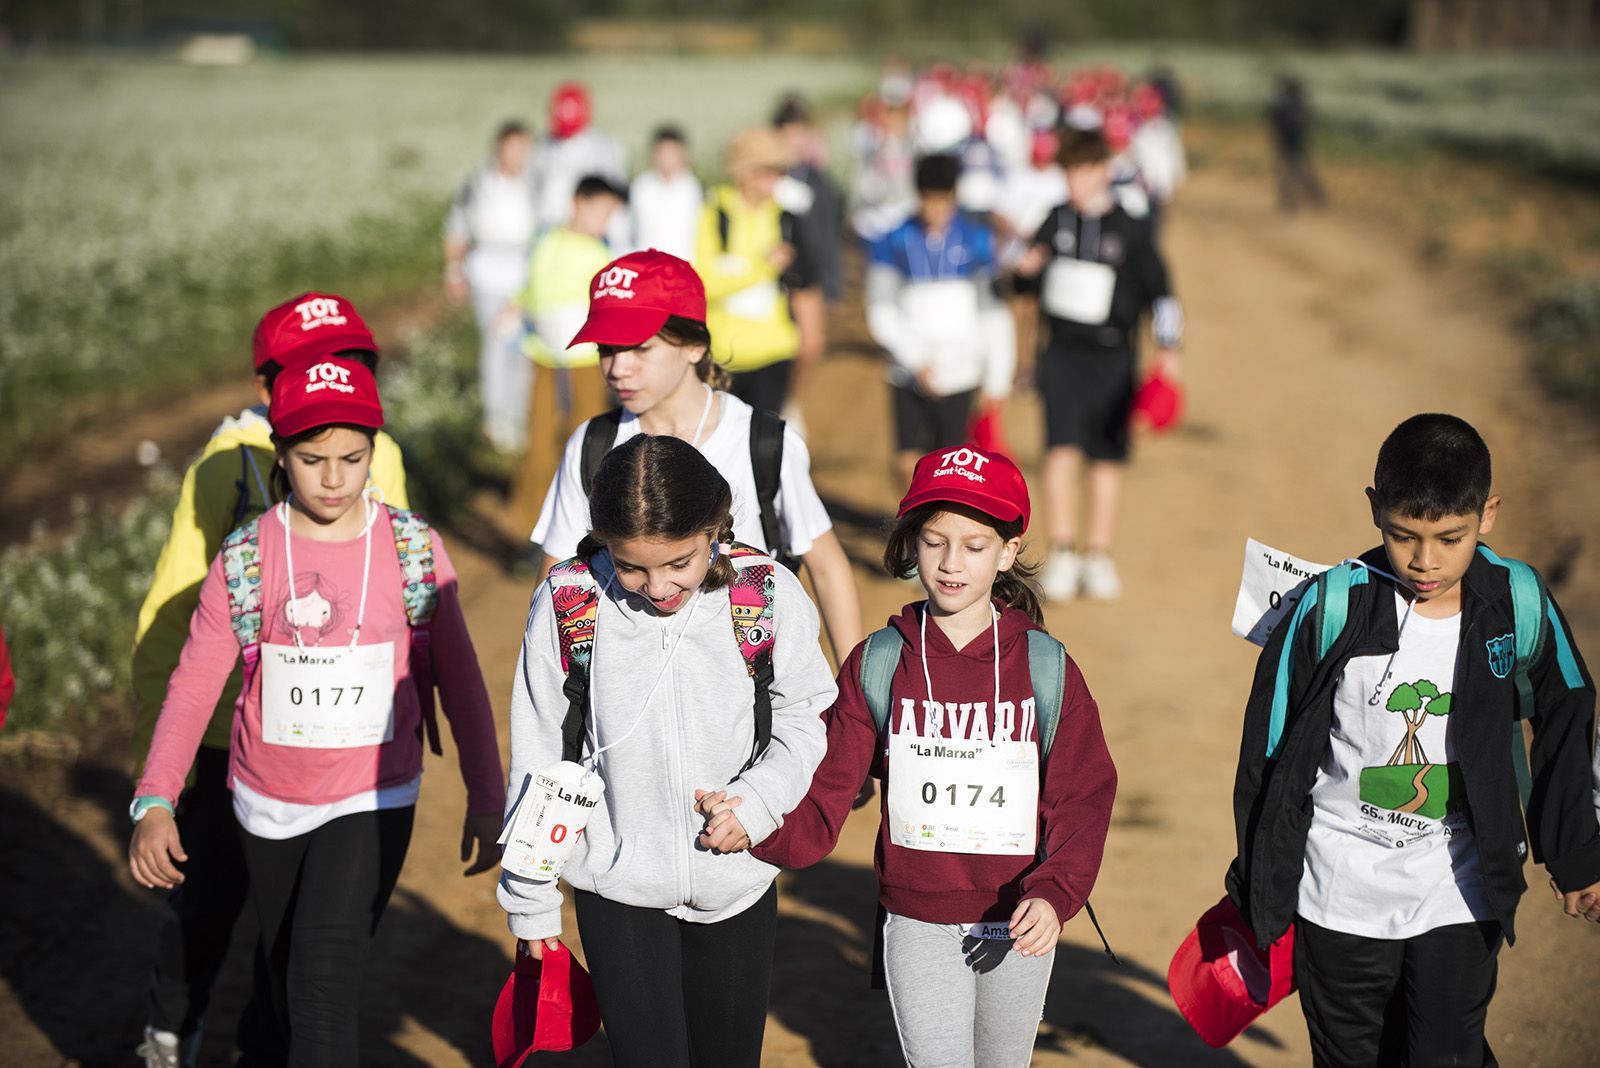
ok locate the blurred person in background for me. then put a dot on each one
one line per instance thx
(1156, 150)
(931, 304)
(816, 202)
(883, 194)
(1027, 197)
(487, 233)
(664, 201)
(1289, 117)
(1102, 273)
(568, 387)
(575, 148)
(751, 256)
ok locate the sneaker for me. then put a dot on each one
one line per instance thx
(160, 1049)
(1063, 575)
(1100, 581)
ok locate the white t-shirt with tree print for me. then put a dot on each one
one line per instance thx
(1390, 853)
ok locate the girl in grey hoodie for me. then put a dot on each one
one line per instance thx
(677, 922)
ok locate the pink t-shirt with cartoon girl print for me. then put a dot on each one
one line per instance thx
(327, 597)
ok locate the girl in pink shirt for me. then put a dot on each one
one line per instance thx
(326, 756)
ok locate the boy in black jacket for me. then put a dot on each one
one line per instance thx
(1377, 799)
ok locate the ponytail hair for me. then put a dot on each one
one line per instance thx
(658, 486)
(1013, 587)
(685, 332)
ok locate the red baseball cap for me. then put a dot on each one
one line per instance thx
(312, 326)
(1158, 402)
(318, 394)
(545, 1005)
(570, 109)
(1222, 981)
(969, 475)
(632, 297)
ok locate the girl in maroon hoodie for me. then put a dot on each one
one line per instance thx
(995, 817)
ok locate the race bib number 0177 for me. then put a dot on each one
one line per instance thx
(327, 698)
(950, 796)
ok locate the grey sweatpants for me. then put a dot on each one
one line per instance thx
(960, 1001)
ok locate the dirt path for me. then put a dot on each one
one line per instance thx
(1310, 339)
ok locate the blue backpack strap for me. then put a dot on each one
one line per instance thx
(878, 661)
(575, 596)
(1335, 608)
(241, 568)
(1047, 667)
(419, 591)
(1529, 605)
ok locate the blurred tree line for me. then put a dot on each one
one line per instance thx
(523, 25)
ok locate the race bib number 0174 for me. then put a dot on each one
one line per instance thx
(963, 797)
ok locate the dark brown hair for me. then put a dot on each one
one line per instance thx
(1014, 587)
(685, 332)
(659, 486)
(280, 477)
(1081, 147)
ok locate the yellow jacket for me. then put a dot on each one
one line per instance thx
(236, 461)
(556, 298)
(746, 309)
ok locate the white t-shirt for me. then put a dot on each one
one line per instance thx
(1390, 854)
(565, 517)
(267, 817)
(666, 214)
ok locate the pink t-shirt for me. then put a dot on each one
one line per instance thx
(328, 579)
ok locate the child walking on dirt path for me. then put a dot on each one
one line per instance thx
(346, 612)
(670, 661)
(226, 487)
(1377, 800)
(997, 783)
(647, 314)
(931, 304)
(1101, 274)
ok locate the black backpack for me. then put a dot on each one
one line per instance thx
(766, 462)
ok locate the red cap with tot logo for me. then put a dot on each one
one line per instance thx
(312, 326)
(972, 476)
(324, 393)
(632, 297)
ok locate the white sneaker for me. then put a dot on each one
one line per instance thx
(163, 1049)
(1100, 581)
(1063, 575)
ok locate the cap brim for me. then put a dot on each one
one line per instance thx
(1005, 511)
(330, 413)
(624, 327)
(1217, 1013)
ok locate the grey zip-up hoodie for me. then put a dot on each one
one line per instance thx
(639, 848)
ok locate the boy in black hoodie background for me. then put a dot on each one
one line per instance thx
(1377, 799)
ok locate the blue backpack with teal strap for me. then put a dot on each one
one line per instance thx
(1327, 604)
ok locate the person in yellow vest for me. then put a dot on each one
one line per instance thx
(568, 387)
(226, 487)
(749, 257)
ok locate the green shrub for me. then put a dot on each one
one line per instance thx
(1566, 335)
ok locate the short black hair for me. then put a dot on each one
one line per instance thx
(792, 108)
(510, 128)
(595, 185)
(669, 132)
(938, 173)
(272, 368)
(1431, 466)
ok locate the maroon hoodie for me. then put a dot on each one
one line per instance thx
(1075, 796)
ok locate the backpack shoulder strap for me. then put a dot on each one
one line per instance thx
(413, 543)
(1334, 608)
(241, 567)
(750, 603)
(575, 596)
(1047, 667)
(1529, 603)
(723, 225)
(766, 463)
(599, 435)
(878, 661)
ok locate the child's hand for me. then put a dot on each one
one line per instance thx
(1032, 261)
(1583, 903)
(536, 948)
(484, 828)
(1035, 927)
(155, 844)
(723, 832)
(1169, 363)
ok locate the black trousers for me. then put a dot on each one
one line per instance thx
(923, 423)
(197, 917)
(319, 897)
(675, 994)
(766, 387)
(1416, 1002)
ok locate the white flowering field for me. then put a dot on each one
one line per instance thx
(149, 211)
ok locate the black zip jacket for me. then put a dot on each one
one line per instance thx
(1272, 794)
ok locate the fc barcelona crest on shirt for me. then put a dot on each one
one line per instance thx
(1502, 654)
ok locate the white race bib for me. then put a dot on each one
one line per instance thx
(1078, 291)
(327, 698)
(757, 303)
(950, 796)
(551, 814)
(941, 311)
(1268, 590)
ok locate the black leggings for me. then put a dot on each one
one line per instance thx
(319, 897)
(680, 995)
